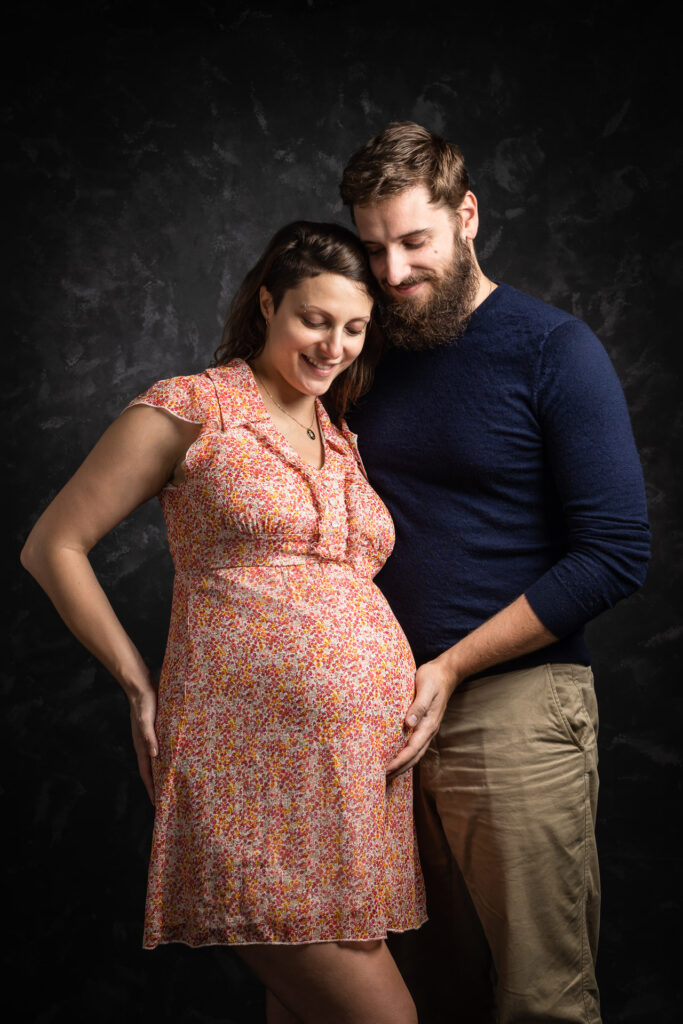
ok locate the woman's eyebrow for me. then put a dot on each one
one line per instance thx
(306, 307)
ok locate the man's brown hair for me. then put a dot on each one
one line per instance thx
(405, 154)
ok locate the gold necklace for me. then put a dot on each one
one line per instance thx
(309, 430)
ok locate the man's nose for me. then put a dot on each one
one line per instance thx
(396, 268)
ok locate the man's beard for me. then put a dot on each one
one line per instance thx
(441, 318)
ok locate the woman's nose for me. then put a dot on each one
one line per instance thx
(334, 342)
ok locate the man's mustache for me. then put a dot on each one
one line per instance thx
(409, 281)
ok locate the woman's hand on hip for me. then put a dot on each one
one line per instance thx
(143, 712)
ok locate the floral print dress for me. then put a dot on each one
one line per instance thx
(282, 695)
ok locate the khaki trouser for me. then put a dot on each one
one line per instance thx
(505, 808)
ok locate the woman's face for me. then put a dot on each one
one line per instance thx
(316, 332)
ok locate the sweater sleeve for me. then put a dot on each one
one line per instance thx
(590, 451)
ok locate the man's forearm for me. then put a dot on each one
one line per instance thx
(512, 632)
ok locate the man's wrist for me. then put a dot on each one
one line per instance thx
(449, 664)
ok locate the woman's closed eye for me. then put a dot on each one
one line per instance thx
(354, 330)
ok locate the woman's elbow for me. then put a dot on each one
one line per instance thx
(30, 555)
(39, 551)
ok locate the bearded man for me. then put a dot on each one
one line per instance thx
(498, 435)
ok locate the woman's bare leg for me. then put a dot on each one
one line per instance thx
(338, 983)
(276, 1013)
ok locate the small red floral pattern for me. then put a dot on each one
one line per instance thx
(283, 690)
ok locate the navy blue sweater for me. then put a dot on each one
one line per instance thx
(508, 464)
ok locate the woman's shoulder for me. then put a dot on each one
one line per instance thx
(190, 397)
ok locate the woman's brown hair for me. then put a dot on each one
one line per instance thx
(298, 251)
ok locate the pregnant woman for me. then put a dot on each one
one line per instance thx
(286, 677)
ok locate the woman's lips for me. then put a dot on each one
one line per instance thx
(323, 369)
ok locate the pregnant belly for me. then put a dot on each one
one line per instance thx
(291, 654)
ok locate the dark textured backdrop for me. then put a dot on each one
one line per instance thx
(149, 159)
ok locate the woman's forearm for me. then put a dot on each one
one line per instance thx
(67, 577)
(130, 463)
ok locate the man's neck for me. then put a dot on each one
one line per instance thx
(486, 286)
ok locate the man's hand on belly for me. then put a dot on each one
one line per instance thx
(434, 685)
(514, 631)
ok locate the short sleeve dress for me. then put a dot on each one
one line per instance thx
(283, 690)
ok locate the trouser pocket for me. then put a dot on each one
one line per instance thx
(571, 689)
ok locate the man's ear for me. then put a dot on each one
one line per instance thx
(468, 212)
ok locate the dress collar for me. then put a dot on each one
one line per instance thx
(244, 403)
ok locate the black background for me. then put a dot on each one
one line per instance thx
(150, 156)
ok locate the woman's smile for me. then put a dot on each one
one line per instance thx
(319, 365)
(313, 335)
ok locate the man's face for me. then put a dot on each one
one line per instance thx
(410, 242)
(427, 271)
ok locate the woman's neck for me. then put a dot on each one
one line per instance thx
(280, 391)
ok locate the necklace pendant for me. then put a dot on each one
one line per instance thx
(311, 433)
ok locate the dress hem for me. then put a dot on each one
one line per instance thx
(277, 942)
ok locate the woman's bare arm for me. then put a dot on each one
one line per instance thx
(131, 462)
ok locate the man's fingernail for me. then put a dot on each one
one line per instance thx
(412, 720)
